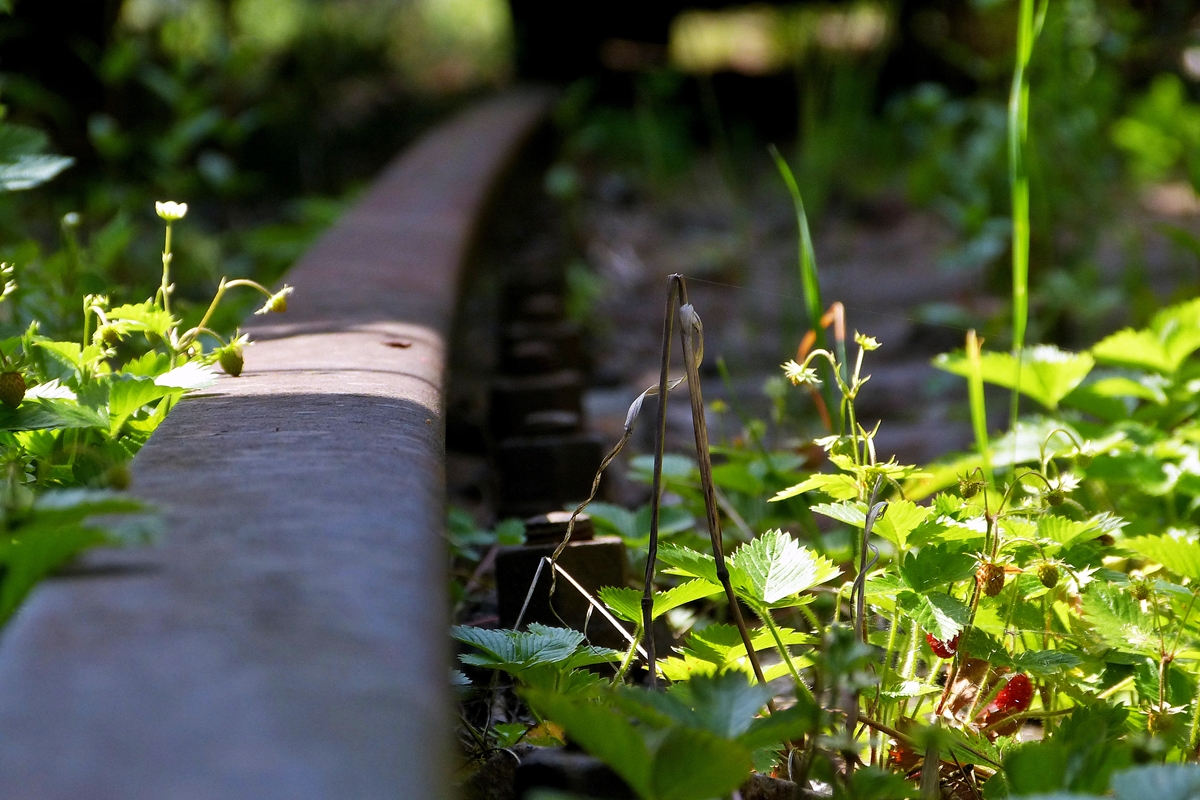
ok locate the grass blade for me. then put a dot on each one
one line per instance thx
(809, 279)
(978, 406)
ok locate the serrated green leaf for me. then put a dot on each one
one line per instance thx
(775, 566)
(145, 317)
(513, 651)
(722, 644)
(696, 765)
(602, 731)
(723, 704)
(51, 414)
(687, 562)
(34, 551)
(847, 511)
(30, 171)
(1180, 556)
(1043, 663)
(899, 520)
(838, 486)
(896, 524)
(934, 566)
(939, 614)
(1173, 335)
(780, 726)
(127, 397)
(1118, 620)
(1044, 372)
(626, 603)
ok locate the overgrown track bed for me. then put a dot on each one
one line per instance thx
(286, 640)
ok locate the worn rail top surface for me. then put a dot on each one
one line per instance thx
(287, 638)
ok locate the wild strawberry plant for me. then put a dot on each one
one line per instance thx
(72, 414)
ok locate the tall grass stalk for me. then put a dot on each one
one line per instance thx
(808, 270)
(1028, 27)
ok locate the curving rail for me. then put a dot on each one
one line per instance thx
(287, 637)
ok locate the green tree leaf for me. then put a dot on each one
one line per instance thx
(35, 550)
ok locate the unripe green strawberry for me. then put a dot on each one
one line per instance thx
(1056, 497)
(1139, 590)
(1048, 574)
(12, 389)
(108, 334)
(969, 488)
(231, 360)
(1083, 458)
(990, 577)
(117, 476)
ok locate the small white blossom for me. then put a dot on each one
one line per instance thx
(170, 210)
(867, 343)
(798, 374)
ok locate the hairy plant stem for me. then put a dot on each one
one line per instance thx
(801, 686)
(165, 289)
(222, 287)
(627, 660)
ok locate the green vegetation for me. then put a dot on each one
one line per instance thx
(1019, 620)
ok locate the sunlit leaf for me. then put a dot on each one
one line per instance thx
(626, 603)
(30, 171)
(838, 486)
(775, 566)
(939, 614)
(1180, 556)
(1044, 372)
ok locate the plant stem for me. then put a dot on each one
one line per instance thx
(765, 616)
(165, 289)
(629, 656)
(660, 436)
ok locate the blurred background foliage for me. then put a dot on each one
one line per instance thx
(266, 115)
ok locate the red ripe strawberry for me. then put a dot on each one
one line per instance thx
(1015, 696)
(942, 649)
